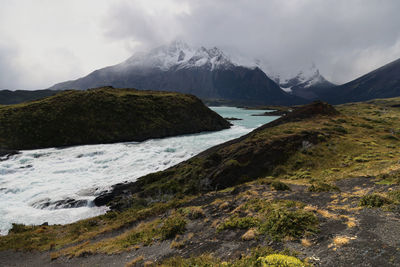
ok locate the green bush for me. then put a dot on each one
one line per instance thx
(279, 186)
(373, 201)
(282, 222)
(172, 226)
(194, 212)
(322, 187)
(238, 223)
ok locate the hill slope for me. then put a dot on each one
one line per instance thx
(103, 115)
(380, 83)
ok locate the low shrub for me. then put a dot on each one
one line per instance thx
(373, 201)
(19, 228)
(172, 226)
(279, 186)
(340, 129)
(394, 196)
(280, 223)
(238, 223)
(322, 187)
(193, 212)
(390, 137)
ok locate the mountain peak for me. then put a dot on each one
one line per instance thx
(177, 55)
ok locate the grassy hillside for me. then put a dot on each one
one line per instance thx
(320, 186)
(103, 115)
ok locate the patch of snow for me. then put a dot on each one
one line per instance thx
(180, 55)
(287, 89)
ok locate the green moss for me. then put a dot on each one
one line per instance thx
(279, 260)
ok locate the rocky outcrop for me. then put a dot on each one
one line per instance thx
(5, 154)
(103, 115)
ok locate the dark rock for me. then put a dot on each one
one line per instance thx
(272, 113)
(6, 154)
(233, 119)
(60, 204)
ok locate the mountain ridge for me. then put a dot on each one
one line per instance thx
(383, 82)
(206, 73)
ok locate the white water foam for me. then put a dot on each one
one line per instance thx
(81, 172)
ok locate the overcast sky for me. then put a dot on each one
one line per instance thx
(43, 42)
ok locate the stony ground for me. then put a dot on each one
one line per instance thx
(348, 235)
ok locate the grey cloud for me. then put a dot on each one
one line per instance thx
(9, 74)
(344, 38)
(290, 35)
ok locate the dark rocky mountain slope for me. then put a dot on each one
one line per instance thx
(380, 83)
(206, 73)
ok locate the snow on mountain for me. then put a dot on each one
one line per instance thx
(180, 55)
(306, 78)
(306, 83)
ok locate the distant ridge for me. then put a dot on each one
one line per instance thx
(8, 97)
(383, 82)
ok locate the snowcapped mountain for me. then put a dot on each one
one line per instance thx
(206, 73)
(308, 83)
(180, 55)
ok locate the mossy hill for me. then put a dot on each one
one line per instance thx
(317, 187)
(103, 115)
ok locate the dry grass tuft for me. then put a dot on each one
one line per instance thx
(251, 234)
(306, 243)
